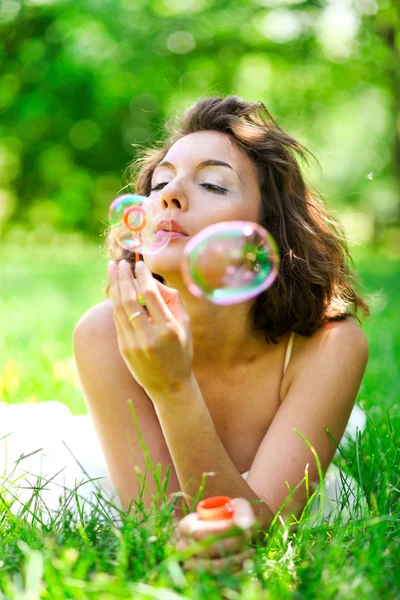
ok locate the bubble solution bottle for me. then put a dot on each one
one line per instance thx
(215, 508)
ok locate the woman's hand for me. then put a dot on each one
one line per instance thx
(231, 551)
(157, 348)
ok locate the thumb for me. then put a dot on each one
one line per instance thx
(244, 516)
(172, 299)
(168, 294)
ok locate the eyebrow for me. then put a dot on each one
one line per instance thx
(206, 163)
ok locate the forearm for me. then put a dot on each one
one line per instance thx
(196, 448)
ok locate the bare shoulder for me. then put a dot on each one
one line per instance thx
(336, 342)
(97, 355)
(337, 333)
(96, 322)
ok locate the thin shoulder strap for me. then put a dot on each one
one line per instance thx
(288, 351)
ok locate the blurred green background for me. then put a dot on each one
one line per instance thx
(84, 84)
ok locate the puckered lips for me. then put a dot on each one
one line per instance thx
(170, 228)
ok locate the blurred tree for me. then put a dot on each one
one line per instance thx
(388, 29)
(84, 83)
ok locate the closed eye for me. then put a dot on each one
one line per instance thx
(159, 186)
(210, 186)
(214, 188)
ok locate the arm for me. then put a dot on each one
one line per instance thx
(107, 385)
(323, 387)
(322, 390)
(196, 448)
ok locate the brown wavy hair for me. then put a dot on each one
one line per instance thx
(314, 282)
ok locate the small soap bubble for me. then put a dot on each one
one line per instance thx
(120, 204)
(370, 176)
(230, 262)
(134, 220)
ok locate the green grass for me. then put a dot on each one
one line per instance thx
(44, 291)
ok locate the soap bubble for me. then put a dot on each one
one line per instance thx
(120, 204)
(230, 262)
(133, 221)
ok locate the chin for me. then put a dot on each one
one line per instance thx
(166, 261)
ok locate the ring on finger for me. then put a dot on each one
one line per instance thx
(137, 313)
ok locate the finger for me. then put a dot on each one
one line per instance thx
(155, 303)
(243, 516)
(114, 286)
(115, 296)
(129, 303)
(221, 548)
(194, 527)
(181, 544)
(218, 548)
(218, 564)
(172, 299)
(117, 306)
(219, 543)
(166, 292)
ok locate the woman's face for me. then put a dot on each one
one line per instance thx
(204, 179)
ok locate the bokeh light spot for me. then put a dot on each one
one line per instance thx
(181, 42)
(84, 134)
(9, 10)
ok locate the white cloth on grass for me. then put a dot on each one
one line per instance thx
(43, 446)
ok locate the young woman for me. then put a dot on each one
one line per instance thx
(223, 389)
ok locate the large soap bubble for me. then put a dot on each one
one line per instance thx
(134, 220)
(230, 262)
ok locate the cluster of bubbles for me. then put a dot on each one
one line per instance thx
(133, 220)
(227, 263)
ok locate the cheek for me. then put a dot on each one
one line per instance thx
(240, 209)
(248, 212)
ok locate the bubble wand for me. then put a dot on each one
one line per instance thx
(128, 216)
(135, 228)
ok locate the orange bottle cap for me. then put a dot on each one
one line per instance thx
(215, 508)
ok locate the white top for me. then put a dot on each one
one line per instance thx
(288, 351)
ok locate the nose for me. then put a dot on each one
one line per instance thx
(173, 196)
